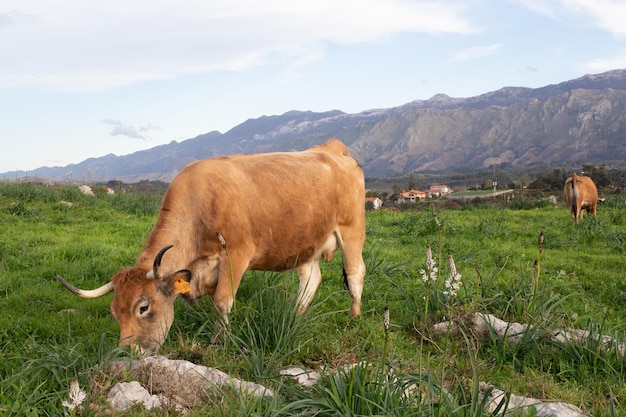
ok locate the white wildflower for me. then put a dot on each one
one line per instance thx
(453, 283)
(433, 274)
(430, 273)
(386, 318)
(424, 276)
(77, 396)
(437, 221)
(430, 262)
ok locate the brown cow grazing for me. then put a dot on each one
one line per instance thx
(580, 193)
(224, 216)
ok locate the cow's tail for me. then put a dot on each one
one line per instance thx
(572, 191)
(344, 274)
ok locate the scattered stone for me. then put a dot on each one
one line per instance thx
(85, 189)
(302, 376)
(569, 335)
(517, 404)
(484, 324)
(127, 394)
(185, 383)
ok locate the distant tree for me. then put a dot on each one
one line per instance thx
(618, 177)
(524, 180)
(115, 183)
(599, 175)
(150, 187)
(374, 194)
(411, 183)
(396, 190)
(552, 181)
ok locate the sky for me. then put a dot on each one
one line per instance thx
(85, 79)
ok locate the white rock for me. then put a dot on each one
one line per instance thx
(191, 380)
(182, 382)
(302, 376)
(85, 189)
(485, 324)
(126, 394)
(517, 404)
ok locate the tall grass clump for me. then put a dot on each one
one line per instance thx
(535, 307)
(377, 386)
(363, 390)
(264, 333)
(268, 332)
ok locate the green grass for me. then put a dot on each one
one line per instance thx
(48, 336)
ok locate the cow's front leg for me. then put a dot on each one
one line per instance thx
(230, 274)
(310, 278)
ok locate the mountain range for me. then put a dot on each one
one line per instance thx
(574, 122)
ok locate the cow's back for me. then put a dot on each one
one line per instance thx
(281, 207)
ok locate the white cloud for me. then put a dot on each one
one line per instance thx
(70, 45)
(607, 15)
(607, 64)
(475, 52)
(119, 128)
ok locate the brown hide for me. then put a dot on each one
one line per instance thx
(275, 212)
(580, 193)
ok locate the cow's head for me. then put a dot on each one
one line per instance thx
(143, 302)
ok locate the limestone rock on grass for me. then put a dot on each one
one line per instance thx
(183, 382)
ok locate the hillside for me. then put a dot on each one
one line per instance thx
(574, 122)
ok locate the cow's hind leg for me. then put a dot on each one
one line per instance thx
(591, 209)
(577, 213)
(310, 278)
(354, 277)
(351, 244)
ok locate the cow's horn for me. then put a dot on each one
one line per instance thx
(157, 262)
(98, 292)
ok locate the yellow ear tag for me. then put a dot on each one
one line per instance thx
(181, 287)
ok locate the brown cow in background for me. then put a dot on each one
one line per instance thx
(580, 193)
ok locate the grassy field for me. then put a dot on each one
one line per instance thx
(576, 280)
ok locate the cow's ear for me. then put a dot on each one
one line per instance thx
(181, 282)
(177, 283)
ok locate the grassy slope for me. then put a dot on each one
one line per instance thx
(581, 285)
